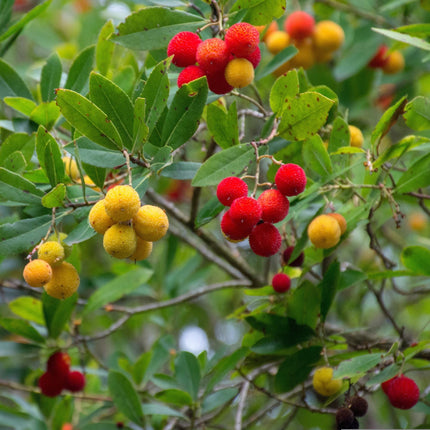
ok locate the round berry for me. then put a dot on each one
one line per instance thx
(380, 58)
(344, 418)
(50, 385)
(143, 250)
(231, 188)
(290, 179)
(286, 255)
(233, 231)
(358, 406)
(265, 239)
(75, 381)
(242, 39)
(151, 223)
(239, 72)
(245, 210)
(274, 206)
(65, 281)
(98, 218)
(266, 30)
(183, 47)
(37, 273)
(402, 392)
(59, 365)
(255, 57)
(341, 220)
(190, 73)
(217, 83)
(356, 138)
(122, 203)
(299, 25)
(328, 36)
(52, 252)
(324, 232)
(212, 55)
(395, 63)
(277, 41)
(324, 383)
(281, 282)
(120, 241)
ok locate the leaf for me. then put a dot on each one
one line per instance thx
(350, 277)
(218, 399)
(416, 258)
(260, 12)
(187, 373)
(160, 354)
(184, 113)
(11, 83)
(82, 232)
(156, 409)
(88, 119)
(349, 150)
(28, 308)
(21, 328)
(140, 129)
(303, 115)
(117, 288)
(55, 197)
(357, 366)
(51, 77)
(115, 103)
(57, 313)
(286, 86)
(417, 176)
(182, 170)
(417, 113)
(21, 142)
(125, 397)
(15, 162)
(276, 62)
(80, 69)
(5, 13)
(104, 48)
(174, 396)
(159, 25)
(304, 304)
(14, 188)
(328, 286)
(21, 104)
(208, 212)
(96, 174)
(223, 125)
(296, 368)
(404, 38)
(315, 157)
(45, 114)
(228, 162)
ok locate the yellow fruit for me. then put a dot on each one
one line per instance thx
(52, 252)
(151, 223)
(417, 221)
(324, 231)
(328, 36)
(239, 72)
(120, 241)
(272, 27)
(37, 273)
(99, 220)
(277, 41)
(305, 57)
(143, 250)
(122, 203)
(67, 248)
(64, 282)
(341, 220)
(395, 63)
(356, 136)
(324, 383)
(71, 168)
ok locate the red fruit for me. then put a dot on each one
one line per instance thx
(299, 25)
(290, 179)
(286, 255)
(265, 239)
(231, 188)
(380, 59)
(183, 47)
(59, 365)
(50, 384)
(402, 392)
(190, 73)
(212, 55)
(75, 381)
(255, 57)
(246, 211)
(217, 83)
(281, 282)
(242, 39)
(233, 231)
(274, 206)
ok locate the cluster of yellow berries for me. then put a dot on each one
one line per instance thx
(323, 382)
(59, 278)
(325, 231)
(128, 228)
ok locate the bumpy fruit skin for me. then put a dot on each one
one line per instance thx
(395, 63)
(212, 55)
(151, 223)
(402, 392)
(242, 39)
(233, 231)
(50, 385)
(356, 138)
(290, 179)
(59, 365)
(64, 282)
(265, 239)
(299, 25)
(358, 406)
(143, 250)
(341, 220)
(37, 273)
(239, 72)
(61, 239)
(52, 252)
(255, 57)
(122, 203)
(231, 188)
(246, 211)
(380, 58)
(324, 232)
(344, 418)
(217, 83)
(183, 47)
(281, 282)
(328, 36)
(75, 381)
(190, 73)
(286, 255)
(120, 241)
(274, 206)
(324, 383)
(71, 168)
(98, 218)
(277, 41)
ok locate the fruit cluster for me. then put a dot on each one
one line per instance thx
(128, 228)
(402, 392)
(316, 42)
(59, 377)
(324, 231)
(59, 278)
(390, 63)
(346, 417)
(227, 63)
(253, 218)
(323, 382)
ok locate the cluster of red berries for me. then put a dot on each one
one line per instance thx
(58, 376)
(227, 63)
(255, 218)
(346, 417)
(402, 392)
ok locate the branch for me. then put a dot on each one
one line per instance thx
(241, 405)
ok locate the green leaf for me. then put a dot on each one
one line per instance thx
(51, 77)
(260, 12)
(286, 86)
(416, 258)
(96, 174)
(417, 176)
(158, 409)
(82, 232)
(223, 124)
(88, 119)
(182, 170)
(174, 396)
(45, 114)
(228, 162)
(62, 413)
(277, 61)
(14, 188)
(339, 136)
(328, 286)
(21, 328)
(11, 83)
(350, 277)
(187, 373)
(115, 103)
(184, 113)
(404, 38)
(125, 397)
(5, 14)
(208, 212)
(357, 366)
(296, 368)
(104, 48)
(159, 25)
(417, 113)
(349, 150)
(218, 399)
(316, 157)
(304, 304)
(117, 288)
(160, 354)
(21, 104)
(55, 197)
(28, 308)
(57, 313)
(21, 142)
(140, 129)
(303, 115)
(15, 162)
(77, 78)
